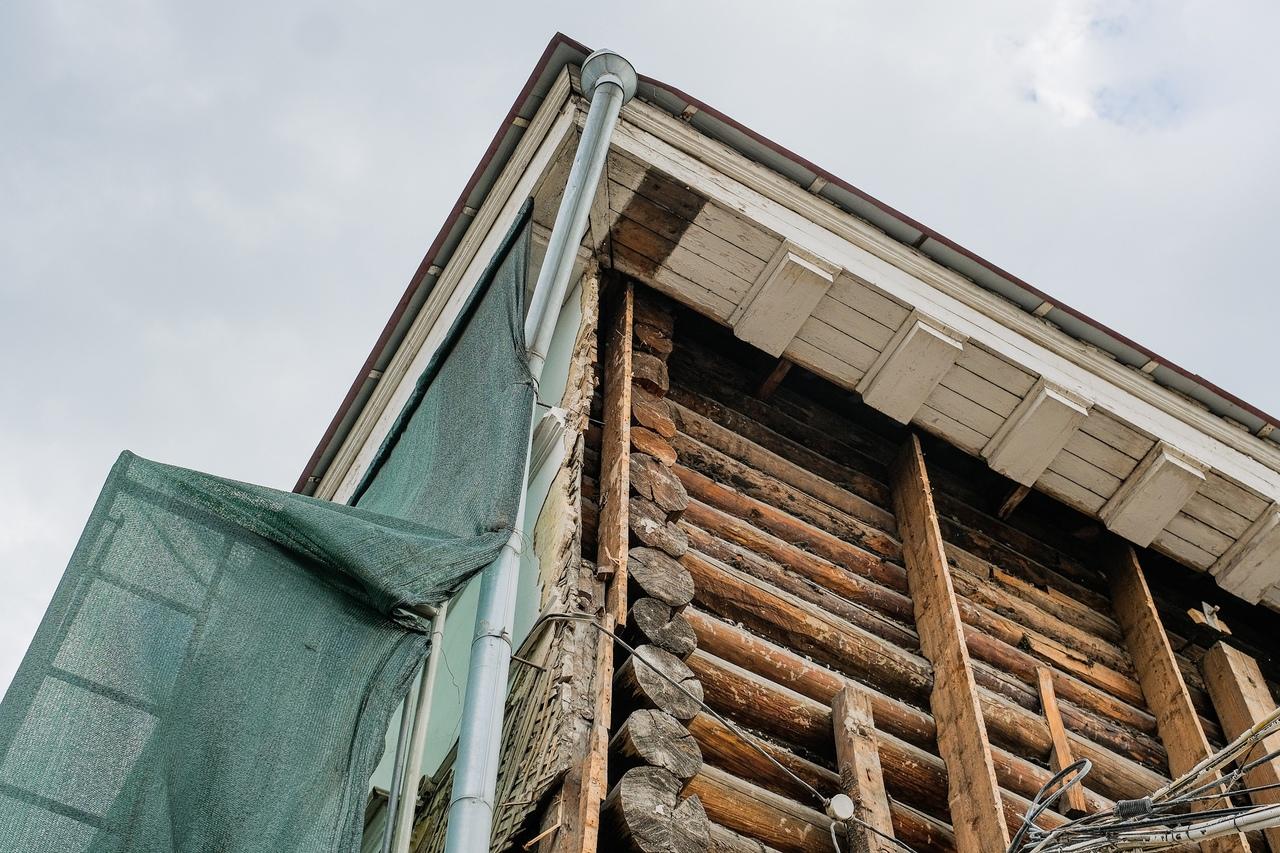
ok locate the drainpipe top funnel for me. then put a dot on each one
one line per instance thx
(605, 66)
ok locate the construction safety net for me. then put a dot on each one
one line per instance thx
(219, 663)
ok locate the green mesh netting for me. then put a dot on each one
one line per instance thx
(219, 663)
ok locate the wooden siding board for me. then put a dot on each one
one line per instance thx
(1055, 485)
(961, 435)
(869, 301)
(963, 410)
(981, 390)
(854, 323)
(1085, 474)
(1107, 429)
(996, 370)
(836, 341)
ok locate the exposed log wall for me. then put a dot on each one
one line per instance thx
(786, 584)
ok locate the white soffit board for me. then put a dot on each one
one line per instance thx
(1035, 433)
(1153, 494)
(910, 367)
(1250, 566)
(782, 298)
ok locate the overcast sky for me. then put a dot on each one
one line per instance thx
(208, 210)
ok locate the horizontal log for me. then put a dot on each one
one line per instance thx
(914, 775)
(650, 372)
(1093, 688)
(649, 522)
(753, 483)
(724, 840)
(659, 576)
(653, 680)
(647, 441)
(654, 623)
(645, 811)
(659, 740)
(1013, 729)
(653, 479)
(790, 827)
(650, 410)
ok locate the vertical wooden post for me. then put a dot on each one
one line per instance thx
(974, 796)
(1060, 757)
(1241, 698)
(1161, 681)
(860, 774)
(585, 791)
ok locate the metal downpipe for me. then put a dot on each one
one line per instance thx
(609, 81)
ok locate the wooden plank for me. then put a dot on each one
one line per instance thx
(1098, 452)
(973, 793)
(1201, 535)
(981, 390)
(1161, 680)
(964, 411)
(1085, 474)
(1061, 757)
(1112, 432)
(822, 362)
(1227, 519)
(998, 371)
(854, 323)
(869, 301)
(615, 450)
(965, 437)
(861, 777)
(1173, 545)
(831, 339)
(1242, 700)
(1072, 494)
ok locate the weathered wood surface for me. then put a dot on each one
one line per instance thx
(974, 795)
(652, 411)
(1241, 695)
(657, 624)
(646, 814)
(660, 679)
(911, 773)
(1160, 677)
(650, 525)
(829, 642)
(650, 372)
(653, 478)
(659, 576)
(647, 441)
(788, 826)
(614, 489)
(861, 777)
(1061, 756)
(660, 740)
(727, 841)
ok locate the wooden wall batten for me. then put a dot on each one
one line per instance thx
(1158, 673)
(860, 775)
(974, 794)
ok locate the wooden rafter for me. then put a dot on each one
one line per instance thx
(1242, 699)
(973, 792)
(1162, 684)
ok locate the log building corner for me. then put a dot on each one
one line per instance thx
(826, 504)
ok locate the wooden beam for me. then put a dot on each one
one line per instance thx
(1242, 700)
(910, 367)
(585, 787)
(615, 449)
(1152, 495)
(973, 793)
(1035, 433)
(1161, 680)
(861, 778)
(1012, 500)
(1076, 804)
(774, 379)
(782, 298)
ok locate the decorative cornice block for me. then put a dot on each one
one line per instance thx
(1153, 494)
(910, 367)
(1249, 567)
(1035, 432)
(782, 298)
